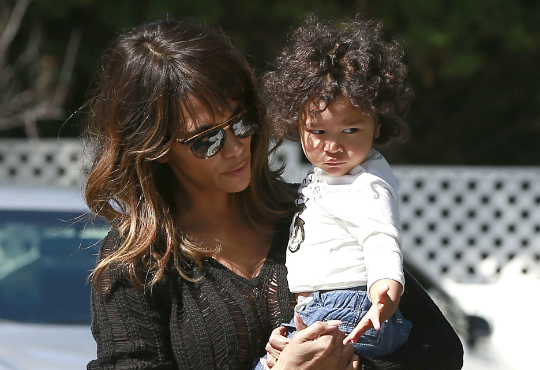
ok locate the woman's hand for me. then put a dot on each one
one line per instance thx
(276, 344)
(278, 339)
(319, 346)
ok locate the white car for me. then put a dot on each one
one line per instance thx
(47, 249)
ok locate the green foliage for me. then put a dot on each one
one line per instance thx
(451, 38)
(458, 37)
(473, 62)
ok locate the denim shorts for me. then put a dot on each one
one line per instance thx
(349, 306)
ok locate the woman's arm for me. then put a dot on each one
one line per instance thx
(129, 325)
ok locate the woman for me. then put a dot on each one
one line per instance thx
(192, 274)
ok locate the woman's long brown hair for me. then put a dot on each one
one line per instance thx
(146, 84)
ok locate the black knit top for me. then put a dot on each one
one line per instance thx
(223, 321)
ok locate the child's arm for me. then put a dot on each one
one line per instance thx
(385, 295)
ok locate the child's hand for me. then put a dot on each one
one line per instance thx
(383, 307)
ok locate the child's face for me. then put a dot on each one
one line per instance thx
(339, 138)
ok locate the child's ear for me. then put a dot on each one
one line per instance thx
(377, 130)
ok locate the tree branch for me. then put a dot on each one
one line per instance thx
(67, 69)
(12, 28)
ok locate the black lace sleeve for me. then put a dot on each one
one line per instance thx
(433, 343)
(129, 325)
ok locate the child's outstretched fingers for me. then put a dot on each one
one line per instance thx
(360, 329)
(372, 319)
(376, 320)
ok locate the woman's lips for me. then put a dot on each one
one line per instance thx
(238, 169)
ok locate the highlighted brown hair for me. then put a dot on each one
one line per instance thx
(144, 91)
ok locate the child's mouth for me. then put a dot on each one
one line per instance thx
(334, 163)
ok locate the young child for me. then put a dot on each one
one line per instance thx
(344, 90)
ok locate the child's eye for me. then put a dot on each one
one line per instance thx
(317, 132)
(351, 130)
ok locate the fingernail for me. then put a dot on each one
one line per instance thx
(334, 322)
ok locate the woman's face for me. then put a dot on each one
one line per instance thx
(228, 171)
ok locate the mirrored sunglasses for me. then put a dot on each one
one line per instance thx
(208, 143)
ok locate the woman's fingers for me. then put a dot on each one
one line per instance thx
(277, 342)
(269, 362)
(354, 363)
(318, 329)
(298, 322)
(318, 347)
(343, 355)
(265, 364)
(349, 360)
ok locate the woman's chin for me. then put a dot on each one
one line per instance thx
(241, 186)
(239, 181)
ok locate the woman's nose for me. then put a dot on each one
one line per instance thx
(332, 146)
(233, 146)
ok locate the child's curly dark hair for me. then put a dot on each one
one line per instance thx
(322, 63)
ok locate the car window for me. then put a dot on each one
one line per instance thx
(45, 260)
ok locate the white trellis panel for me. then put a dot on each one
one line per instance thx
(41, 162)
(466, 224)
(470, 223)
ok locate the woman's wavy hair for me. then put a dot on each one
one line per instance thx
(323, 62)
(146, 88)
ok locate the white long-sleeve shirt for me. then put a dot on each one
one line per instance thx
(348, 233)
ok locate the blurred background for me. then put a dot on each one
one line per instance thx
(474, 64)
(468, 175)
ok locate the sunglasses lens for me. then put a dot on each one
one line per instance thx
(211, 142)
(208, 144)
(244, 127)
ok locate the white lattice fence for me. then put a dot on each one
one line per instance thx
(467, 224)
(470, 223)
(43, 162)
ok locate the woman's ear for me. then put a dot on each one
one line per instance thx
(164, 158)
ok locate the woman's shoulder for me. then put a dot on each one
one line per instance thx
(116, 275)
(110, 243)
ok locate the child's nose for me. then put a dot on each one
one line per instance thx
(332, 146)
